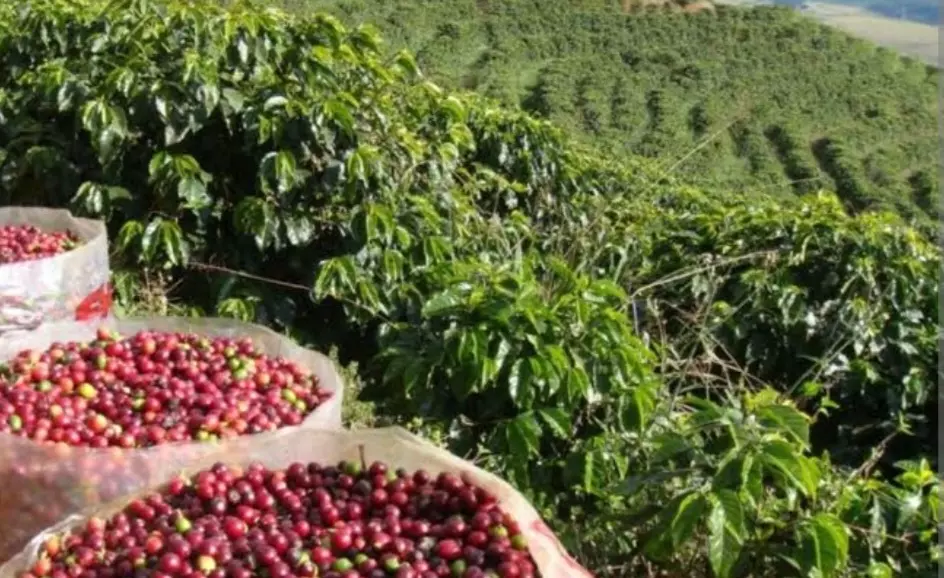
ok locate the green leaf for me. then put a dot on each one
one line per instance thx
(186, 165)
(175, 247)
(454, 108)
(209, 95)
(175, 133)
(523, 435)
(784, 458)
(299, 229)
(340, 113)
(786, 419)
(257, 217)
(91, 198)
(236, 308)
(879, 570)
(668, 445)
(677, 524)
(272, 102)
(119, 194)
(108, 144)
(150, 238)
(685, 518)
(65, 97)
(242, 49)
(157, 166)
(326, 280)
(558, 420)
(734, 469)
(707, 412)
(392, 266)
(234, 100)
(519, 379)
(635, 408)
(128, 233)
(442, 302)
(193, 193)
(285, 170)
(725, 532)
(824, 545)
(404, 59)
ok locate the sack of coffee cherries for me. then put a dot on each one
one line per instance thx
(90, 414)
(376, 503)
(53, 267)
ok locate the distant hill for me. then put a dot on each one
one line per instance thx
(746, 99)
(926, 11)
(910, 26)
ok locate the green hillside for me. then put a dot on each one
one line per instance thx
(757, 99)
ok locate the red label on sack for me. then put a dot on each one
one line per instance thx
(541, 528)
(96, 304)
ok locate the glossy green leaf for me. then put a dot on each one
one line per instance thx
(117, 194)
(678, 521)
(786, 419)
(193, 192)
(285, 170)
(274, 102)
(785, 459)
(233, 99)
(257, 217)
(879, 570)
(175, 246)
(405, 60)
(151, 238)
(108, 144)
(130, 232)
(443, 302)
(824, 545)
(157, 165)
(338, 111)
(299, 229)
(558, 420)
(519, 379)
(725, 532)
(523, 435)
(635, 408)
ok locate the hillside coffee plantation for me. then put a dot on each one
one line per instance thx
(689, 368)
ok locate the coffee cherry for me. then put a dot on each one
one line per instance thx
(151, 388)
(190, 530)
(114, 394)
(20, 243)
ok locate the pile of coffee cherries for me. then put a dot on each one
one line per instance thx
(152, 388)
(28, 243)
(308, 520)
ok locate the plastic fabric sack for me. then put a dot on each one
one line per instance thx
(41, 484)
(395, 446)
(70, 286)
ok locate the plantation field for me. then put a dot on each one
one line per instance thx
(746, 100)
(585, 249)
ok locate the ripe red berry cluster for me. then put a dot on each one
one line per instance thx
(151, 388)
(305, 521)
(28, 243)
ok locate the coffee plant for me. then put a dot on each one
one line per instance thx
(742, 98)
(836, 310)
(520, 297)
